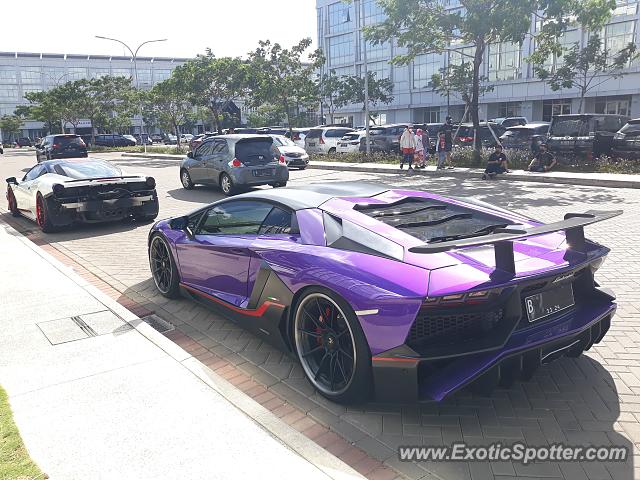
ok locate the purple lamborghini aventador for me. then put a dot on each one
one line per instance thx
(400, 294)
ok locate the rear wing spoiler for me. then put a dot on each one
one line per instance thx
(502, 238)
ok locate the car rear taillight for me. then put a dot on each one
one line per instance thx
(282, 160)
(321, 140)
(55, 145)
(151, 182)
(296, 136)
(479, 296)
(466, 139)
(235, 163)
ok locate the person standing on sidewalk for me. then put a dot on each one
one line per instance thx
(441, 151)
(419, 155)
(408, 147)
(447, 129)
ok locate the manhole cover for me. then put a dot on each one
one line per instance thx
(83, 326)
(158, 323)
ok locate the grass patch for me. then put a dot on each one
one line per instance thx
(15, 463)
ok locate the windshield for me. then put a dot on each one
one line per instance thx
(86, 170)
(517, 133)
(283, 141)
(631, 129)
(351, 136)
(570, 127)
(65, 141)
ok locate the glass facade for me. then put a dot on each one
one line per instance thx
(504, 61)
(341, 49)
(424, 68)
(76, 73)
(373, 12)
(618, 35)
(510, 109)
(8, 74)
(340, 17)
(555, 107)
(31, 76)
(381, 69)
(615, 105)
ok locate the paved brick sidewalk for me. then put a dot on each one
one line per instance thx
(594, 399)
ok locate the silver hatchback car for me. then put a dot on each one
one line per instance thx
(235, 162)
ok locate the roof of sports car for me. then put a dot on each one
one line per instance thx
(312, 196)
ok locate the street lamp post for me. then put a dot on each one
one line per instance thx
(366, 80)
(134, 57)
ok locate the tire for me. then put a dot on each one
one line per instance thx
(226, 185)
(42, 215)
(185, 179)
(163, 267)
(13, 204)
(332, 150)
(327, 335)
(278, 184)
(302, 168)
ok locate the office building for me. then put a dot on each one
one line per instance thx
(517, 92)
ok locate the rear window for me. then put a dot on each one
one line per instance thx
(315, 133)
(254, 148)
(351, 136)
(569, 127)
(518, 133)
(631, 128)
(85, 170)
(337, 133)
(65, 141)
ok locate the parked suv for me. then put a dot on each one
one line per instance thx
(234, 162)
(626, 142)
(385, 138)
(61, 146)
(523, 136)
(23, 142)
(323, 140)
(585, 134)
(507, 122)
(113, 141)
(465, 134)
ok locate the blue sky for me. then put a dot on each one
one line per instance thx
(227, 27)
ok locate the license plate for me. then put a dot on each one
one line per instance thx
(312, 144)
(264, 173)
(547, 303)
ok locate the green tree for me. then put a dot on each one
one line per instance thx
(168, 104)
(108, 102)
(351, 91)
(330, 87)
(10, 125)
(42, 108)
(457, 80)
(427, 26)
(280, 77)
(214, 83)
(585, 68)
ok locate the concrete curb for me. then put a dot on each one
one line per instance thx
(297, 442)
(561, 178)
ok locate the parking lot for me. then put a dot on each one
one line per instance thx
(591, 400)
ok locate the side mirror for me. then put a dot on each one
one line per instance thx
(181, 223)
(12, 180)
(191, 155)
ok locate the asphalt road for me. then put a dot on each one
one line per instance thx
(594, 399)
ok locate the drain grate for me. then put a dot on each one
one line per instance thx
(80, 327)
(158, 324)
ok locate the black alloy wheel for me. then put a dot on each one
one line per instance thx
(163, 268)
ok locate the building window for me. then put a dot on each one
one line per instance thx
(618, 35)
(76, 73)
(510, 109)
(376, 52)
(381, 69)
(424, 68)
(431, 115)
(342, 72)
(567, 40)
(9, 91)
(144, 77)
(30, 89)
(31, 75)
(625, 8)
(55, 75)
(340, 16)
(8, 74)
(373, 12)
(461, 55)
(615, 105)
(504, 61)
(161, 75)
(100, 72)
(341, 49)
(122, 72)
(555, 107)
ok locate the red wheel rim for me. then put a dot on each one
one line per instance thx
(39, 212)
